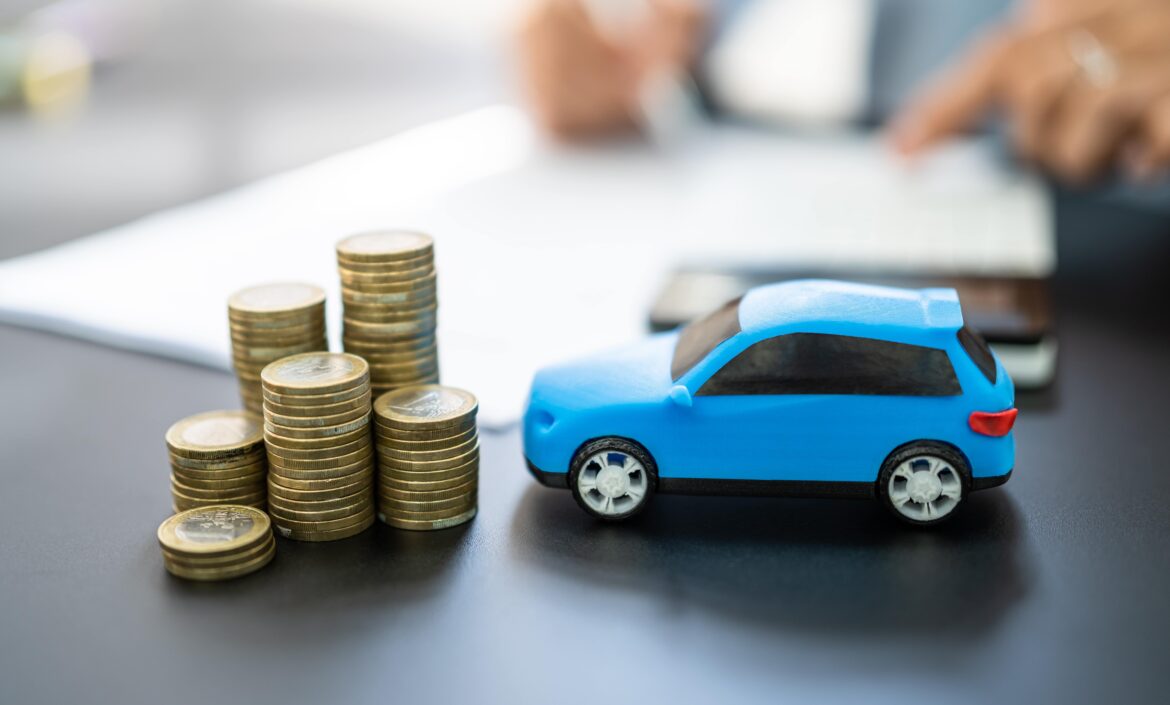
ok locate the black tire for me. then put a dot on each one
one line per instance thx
(617, 445)
(942, 451)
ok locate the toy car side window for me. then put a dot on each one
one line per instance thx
(816, 363)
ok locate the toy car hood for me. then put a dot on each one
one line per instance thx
(639, 373)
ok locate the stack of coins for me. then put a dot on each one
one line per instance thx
(269, 322)
(216, 543)
(217, 457)
(388, 292)
(320, 459)
(428, 457)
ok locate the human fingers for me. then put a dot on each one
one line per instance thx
(959, 97)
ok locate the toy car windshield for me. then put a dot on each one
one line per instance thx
(702, 336)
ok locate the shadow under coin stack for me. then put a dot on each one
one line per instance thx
(216, 543)
(269, 322)
(428, 457)
(390, 306)
(320, 458)
(217, 457)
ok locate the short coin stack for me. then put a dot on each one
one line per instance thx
(428, 457)
(217, 542)
(269, 322)
(217, 457)
(390, 306)
(320, 459)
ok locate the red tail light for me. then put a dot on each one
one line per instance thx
(993, 423)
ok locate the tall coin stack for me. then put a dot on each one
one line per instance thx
(390, 306)
(269, 322)
(216, 543)
(217, 457)
(428, 457)
(320, 459)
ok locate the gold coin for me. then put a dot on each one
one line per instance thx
(214, 530)
(228, 484)
(270, 354)
(311, 325)
(395, 434)
(330, 453)
(425, 407)
(324, 473)
(221, 561)
(407, 484)
(389, 472)
(314, 401)
(409, 345)
(391, 452)
(316, 422)
(411, 297)
(213, 574)
(246, 349)
(365, 476)
(413, 464)
(348, 265)
(383, 437)
(389, 373)
(390, 383)
(364, 401)
(304, 433)
(315, 373)
(194, 477)
(334, 535)
(302, 444)
(182, 504)
(392, 505)
(428, 495)
(428, 525)
(245, 494)
(374, 331)
(428, 314)
(398, 432)
(446, 512)
(283, 524)
(276, 491)
(282, 513)
(358, 507)
(417, 288)
(239, 465)
(267, 300)
(384, 359)
(356, 280)
(385, 246)
(214, 435)
(362, 451)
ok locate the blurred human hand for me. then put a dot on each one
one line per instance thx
(1083, 86)
(583, 81)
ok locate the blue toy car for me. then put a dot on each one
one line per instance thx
(801, 388)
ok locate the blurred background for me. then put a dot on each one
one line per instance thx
(131, 106)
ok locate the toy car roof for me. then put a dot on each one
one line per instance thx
(853, 308)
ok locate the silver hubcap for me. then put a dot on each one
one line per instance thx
(612, 482)
(925, 488)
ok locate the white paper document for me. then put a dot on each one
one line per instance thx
(543, 253)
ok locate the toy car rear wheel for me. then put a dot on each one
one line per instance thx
(923, 483)
(612, 478)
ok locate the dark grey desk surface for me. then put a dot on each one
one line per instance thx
(1053, 586)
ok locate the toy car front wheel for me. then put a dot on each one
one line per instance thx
(612, 478)
(923, 483)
